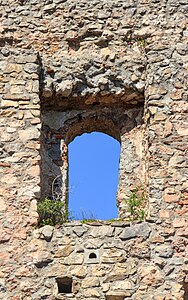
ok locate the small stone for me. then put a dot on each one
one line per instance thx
(42, 258)
(74, 259)
(176, 94)
(182, 232)
(59, 1)
(164, 213)
(64, 88)
(23, 98)
(182, 129)
(111, 256)
(140, 86)
(79, 271)
(35, 121)
(33, 171)
(64, 251)
(35, 113)
(171, 198)
(179, 222)
(164, 250)
(49, 8)
(128, 233)
(102, 231)
(150, 275)
(17, 89)
(160, 116)
(156, 238)
(13, 68)
(48, 88)
(91, 292)
(142, 229)
(31, 68)
(47, 232)
(2, 285)
(134, 77)
(2, 204)
(29, 134)
(168, 129)
(122, 285)
(79, 231)
(141, 250)
(20, 114)
(90, 282)
(11, 129)
(117, 295)
(4, 236)
(9, 103)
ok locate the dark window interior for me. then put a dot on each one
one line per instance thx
(185, 285)
(64, 285)
(92, 255)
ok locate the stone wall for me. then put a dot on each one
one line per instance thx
(90, 64)
(109, 260)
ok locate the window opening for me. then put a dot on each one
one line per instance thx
(64, 285)
(185, 285)
(93, 176)
(92, 255)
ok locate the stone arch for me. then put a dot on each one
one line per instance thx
(89, 125)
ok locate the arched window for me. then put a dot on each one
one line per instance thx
(60, 133)
(93, 176)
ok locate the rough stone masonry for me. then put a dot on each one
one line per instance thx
(69, 67)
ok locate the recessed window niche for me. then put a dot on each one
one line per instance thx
(91, 256)
(60, 129)
(116, 295)
(64, 285)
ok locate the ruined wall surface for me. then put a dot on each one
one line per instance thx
(109, 260)
(93, 63)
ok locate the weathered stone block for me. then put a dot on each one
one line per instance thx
(64, 88)
(29, 134)
(128, 233)
(47, 232)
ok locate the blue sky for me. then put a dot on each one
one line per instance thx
(93, 176)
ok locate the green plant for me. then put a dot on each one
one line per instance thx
(86, 216)
(52, 212)
(136, 204)
(84, 221)
(116, 220)
(142, 42)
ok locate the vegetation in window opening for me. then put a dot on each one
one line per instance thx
(136, 205)
(53, 211)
